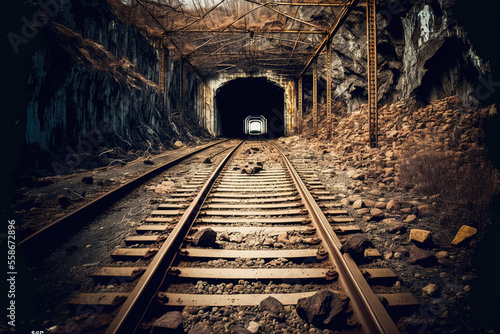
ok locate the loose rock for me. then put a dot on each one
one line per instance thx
(170, 322)
(201, 328)
(395, 226)
(420, 256)
(323, 309)
(463, 234)
(253, 327)
(441, 255)
(410, 219)
(88, 180)
(419, 235)
(358, 204)
(377, 214)
(423, 209)
(430, 290)
(393, 205)
(63, 200)
(272, 305)
(205, 238)
(356, 245)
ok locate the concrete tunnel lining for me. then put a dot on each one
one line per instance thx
(239, 98)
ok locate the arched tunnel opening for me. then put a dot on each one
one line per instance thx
(239, 98)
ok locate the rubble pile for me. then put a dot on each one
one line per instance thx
(444, 124)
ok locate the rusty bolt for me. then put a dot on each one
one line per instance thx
(332, 275)
(351, 322)
(174, 272)
(321, 255)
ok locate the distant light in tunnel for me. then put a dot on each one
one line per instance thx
(255, 127)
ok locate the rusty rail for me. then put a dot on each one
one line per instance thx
(375, 319)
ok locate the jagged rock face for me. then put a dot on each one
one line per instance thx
(94, 84)
(79, 88)
(94, 20)
(422, 55)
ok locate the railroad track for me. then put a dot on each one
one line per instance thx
(69, 222)
(247, 233)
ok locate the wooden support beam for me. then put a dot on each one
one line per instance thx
(329, 91)
(315, 96)
(371, 30)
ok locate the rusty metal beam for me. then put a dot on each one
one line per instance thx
(300, 106)
(284, 14)
(329, 91)
(331, 32)
(206, 31)
(371, 31)
(171, 41)
(223, 29)
(315, 96)
(312, 4)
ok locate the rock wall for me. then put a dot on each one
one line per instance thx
(422, 56)
(94, 87)
(95, 20)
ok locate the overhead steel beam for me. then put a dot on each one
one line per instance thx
(371, 31)
(284, 14)
(222, 30)
(202, 31)
(312, 4)
(171, 41)
(331, 32)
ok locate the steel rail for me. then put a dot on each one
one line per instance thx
(69, 221)
(135, 306)
(375, 318)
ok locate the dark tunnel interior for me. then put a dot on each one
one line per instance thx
(239, 98)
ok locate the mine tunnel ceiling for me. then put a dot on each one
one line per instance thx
(248, 36)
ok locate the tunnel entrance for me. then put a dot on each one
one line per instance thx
(239, 98)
